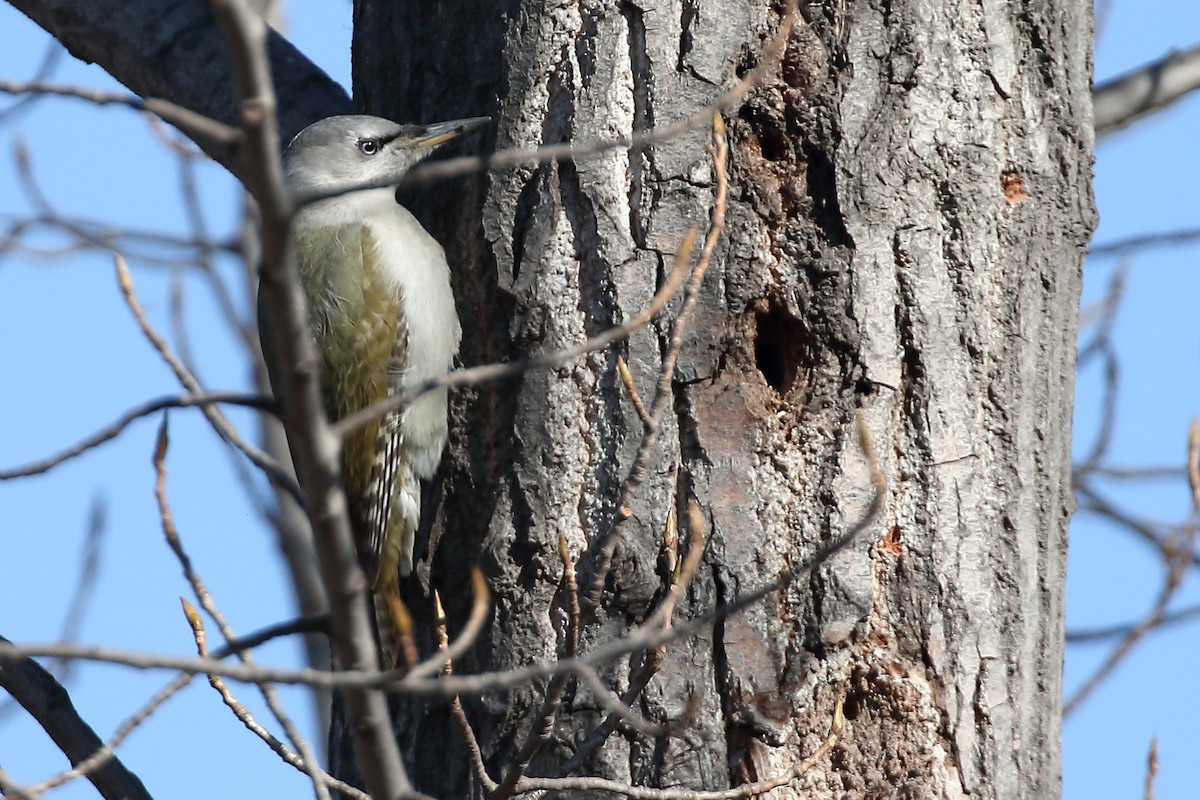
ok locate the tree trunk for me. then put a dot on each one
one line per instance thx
(909, 207)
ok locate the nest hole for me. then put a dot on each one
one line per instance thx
(778, 347)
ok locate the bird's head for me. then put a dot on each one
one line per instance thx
(353, 150)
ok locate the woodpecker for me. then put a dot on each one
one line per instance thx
(382, 315)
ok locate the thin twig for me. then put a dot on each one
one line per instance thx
(321, 780)
(1151, 769)
(428, 172)
(1101, 345)
(494, 372)
(1179, 555)
(1155, 533)
(186, 120)
(456, 707)
(88, 572)
(107, 751)
(306, 759)
(314, 449)
(1139, 473)
(643, 637)
(395, 681)
(99, 235)
(481, 603)
(634, 397)
(114, 430)
(47, 701)
(13, 789)
(617, 707)
(682, 573)
(1090, 635)
(1144, 241)
(737, 793)
(603, 547)
(540, 730)
(564, 555)
(50, 59)
(224, 428)
(179, 682)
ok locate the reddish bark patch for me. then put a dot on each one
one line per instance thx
(892, 541)
(1013, 186)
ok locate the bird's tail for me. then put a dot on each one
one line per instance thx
(403, 514)
(392, 622)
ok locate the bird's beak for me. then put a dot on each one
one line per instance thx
(433, 135)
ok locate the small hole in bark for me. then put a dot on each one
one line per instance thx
(851, 707)
(778, 347)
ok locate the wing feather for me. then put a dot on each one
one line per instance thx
(358, 322)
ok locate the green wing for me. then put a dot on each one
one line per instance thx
(356, 321)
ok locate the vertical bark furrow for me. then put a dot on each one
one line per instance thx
(871, 268)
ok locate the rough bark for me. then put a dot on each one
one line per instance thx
(911, 204)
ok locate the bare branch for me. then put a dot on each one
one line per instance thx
(1179, 554)
(111, 432)
(1151, 769)
(1145, 241)
(737, 793)
(81, 597)
(1114, 631)
(101, 756)
(634, 397)
(641, 638)
(318, 623)
(495, 372)
(314, 448)
(224, 428)
(181, 58)
(456, 707)
(428, 172)
(50, 60)
(543, 725)
(470, 632)
(1145, 90)
(1140, 473)
(1100, 345)
(1156, 534)
(13, 789)
(602, 547)
(49, 703)
(306, 760)
(136, 245)
(196, 126)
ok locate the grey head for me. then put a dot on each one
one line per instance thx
(355, 149)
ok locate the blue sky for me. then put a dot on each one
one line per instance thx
(74, 360)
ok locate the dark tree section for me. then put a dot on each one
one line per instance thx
(877, 265)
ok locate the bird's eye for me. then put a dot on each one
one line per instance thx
(368, 147)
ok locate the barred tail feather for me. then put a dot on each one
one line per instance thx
(395, 513)
(385, 626)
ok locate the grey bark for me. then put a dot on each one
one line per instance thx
(911, 207)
